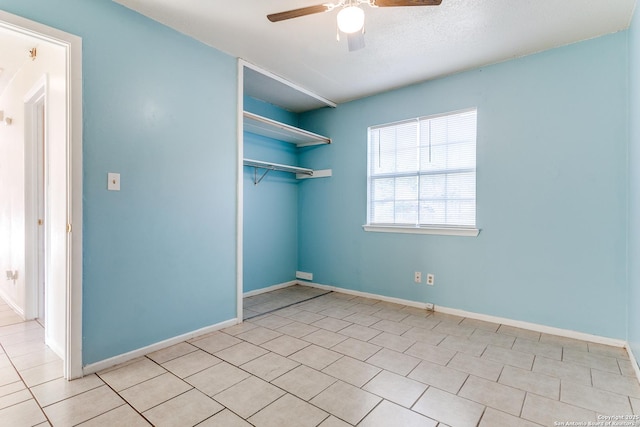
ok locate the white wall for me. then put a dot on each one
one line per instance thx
(50, 61)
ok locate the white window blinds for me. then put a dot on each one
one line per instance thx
(422, 172)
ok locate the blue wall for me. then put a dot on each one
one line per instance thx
(551, 193)
(270, 241)
(160, 109)
(633, 297)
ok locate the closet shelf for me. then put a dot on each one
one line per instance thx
(277, 167)
(268, 166)
(272, 129)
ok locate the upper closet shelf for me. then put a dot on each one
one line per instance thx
(272, 129)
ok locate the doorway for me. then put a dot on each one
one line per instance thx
(51, 287)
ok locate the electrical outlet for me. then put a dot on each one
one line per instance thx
(417, 277)
(430, 279)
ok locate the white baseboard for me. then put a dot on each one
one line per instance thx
(270, 288)
(567, 333)
(54, 347)
(365, 294)
(11, 303)
(633, 360)
(478, 316)
(122, 358)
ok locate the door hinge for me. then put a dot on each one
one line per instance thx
(39, 222)
(68, 228)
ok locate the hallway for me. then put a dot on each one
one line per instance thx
(25, 363)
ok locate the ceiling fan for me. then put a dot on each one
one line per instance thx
(350, 17)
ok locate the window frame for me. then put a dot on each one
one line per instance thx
(437, 229)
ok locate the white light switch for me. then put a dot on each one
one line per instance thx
(113, 183)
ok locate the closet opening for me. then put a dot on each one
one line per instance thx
(272, 166)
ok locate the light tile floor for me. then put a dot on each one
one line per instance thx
(335, 360)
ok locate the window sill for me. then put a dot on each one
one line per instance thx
(444, 231)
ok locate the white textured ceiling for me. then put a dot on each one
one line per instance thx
(404, 45)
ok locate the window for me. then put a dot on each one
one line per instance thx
(422, 175)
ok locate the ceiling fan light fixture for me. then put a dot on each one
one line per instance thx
(350, 19)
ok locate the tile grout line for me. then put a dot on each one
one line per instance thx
(484, 411)
(307, 401)
(126, 402)
(268, 382)
(25, 385)
(100, 414)
(194, 387)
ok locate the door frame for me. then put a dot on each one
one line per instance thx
(35, 194)
(72, 46)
